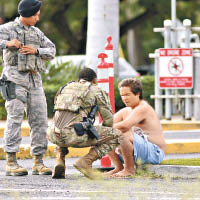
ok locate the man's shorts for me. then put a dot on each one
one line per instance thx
(145, 151)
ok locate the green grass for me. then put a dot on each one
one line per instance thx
(189, 162)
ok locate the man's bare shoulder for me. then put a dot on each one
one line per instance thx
(123, 113)
(141, 107)
(125, 110)
(143, 110)
(146, 106)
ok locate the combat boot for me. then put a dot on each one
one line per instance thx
(12, 167)
(59, 167)
(39, 168)
(84, 164)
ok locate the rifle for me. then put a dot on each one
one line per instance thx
(86, 126)
(7, 88)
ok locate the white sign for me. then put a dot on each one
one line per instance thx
(176, 68)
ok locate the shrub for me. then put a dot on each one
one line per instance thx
(60, 74)
(50, 92)
(3, 112)
(148, 88)
(2, 102)
(56, 77)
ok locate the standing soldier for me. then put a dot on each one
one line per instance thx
(76, 104)
(25, 49)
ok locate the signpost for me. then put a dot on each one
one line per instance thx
(175, 68)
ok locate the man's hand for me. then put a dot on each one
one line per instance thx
(28, 50)
(14, 43)
(23, 49)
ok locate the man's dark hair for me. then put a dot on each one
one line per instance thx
(87, 74)
(134, 84)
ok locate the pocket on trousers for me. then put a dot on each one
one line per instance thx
(40, 64)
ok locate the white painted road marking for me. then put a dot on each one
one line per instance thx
(86, 191)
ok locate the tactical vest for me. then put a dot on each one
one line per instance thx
(13, 57)
(71, 96)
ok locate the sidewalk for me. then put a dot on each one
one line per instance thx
(167, 171)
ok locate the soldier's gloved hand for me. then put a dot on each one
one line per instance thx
(28, 50)
(14, 43)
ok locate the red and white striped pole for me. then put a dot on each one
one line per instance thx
(110, 61)
(102, 73)
(105, 161)
(103, 82)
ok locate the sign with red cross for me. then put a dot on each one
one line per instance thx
(175, 68)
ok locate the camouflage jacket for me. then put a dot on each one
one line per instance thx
(69, 110)
(35, 38)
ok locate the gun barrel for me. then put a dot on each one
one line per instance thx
(93, 112)
(93, 133)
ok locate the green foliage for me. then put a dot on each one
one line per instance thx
(2, 102)
(148, 88)
(118, 101)
(3, 113)
(50, 92)
(188, 162)
(1, 67)
(60, 74)
(55, 77)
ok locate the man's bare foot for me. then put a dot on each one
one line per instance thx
(124, 173)
(114, 171)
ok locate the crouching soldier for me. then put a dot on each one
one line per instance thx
(72, 126)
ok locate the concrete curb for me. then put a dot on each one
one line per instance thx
(175, 171)
(180, 125)
(181, 147)
(24, 152)
(25, 131)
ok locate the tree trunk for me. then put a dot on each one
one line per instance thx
(131, 47)
(135, 48)
(103, 20)
(139, 51)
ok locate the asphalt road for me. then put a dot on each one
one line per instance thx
(76, 186)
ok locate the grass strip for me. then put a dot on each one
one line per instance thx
(188, 161)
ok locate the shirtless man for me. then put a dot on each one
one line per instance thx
(141, 131)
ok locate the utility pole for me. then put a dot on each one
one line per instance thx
(173, 18)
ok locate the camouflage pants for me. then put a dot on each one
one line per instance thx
(33, 101)
(68, 138)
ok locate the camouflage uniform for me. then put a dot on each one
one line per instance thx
(29, 91)
(72, 103)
